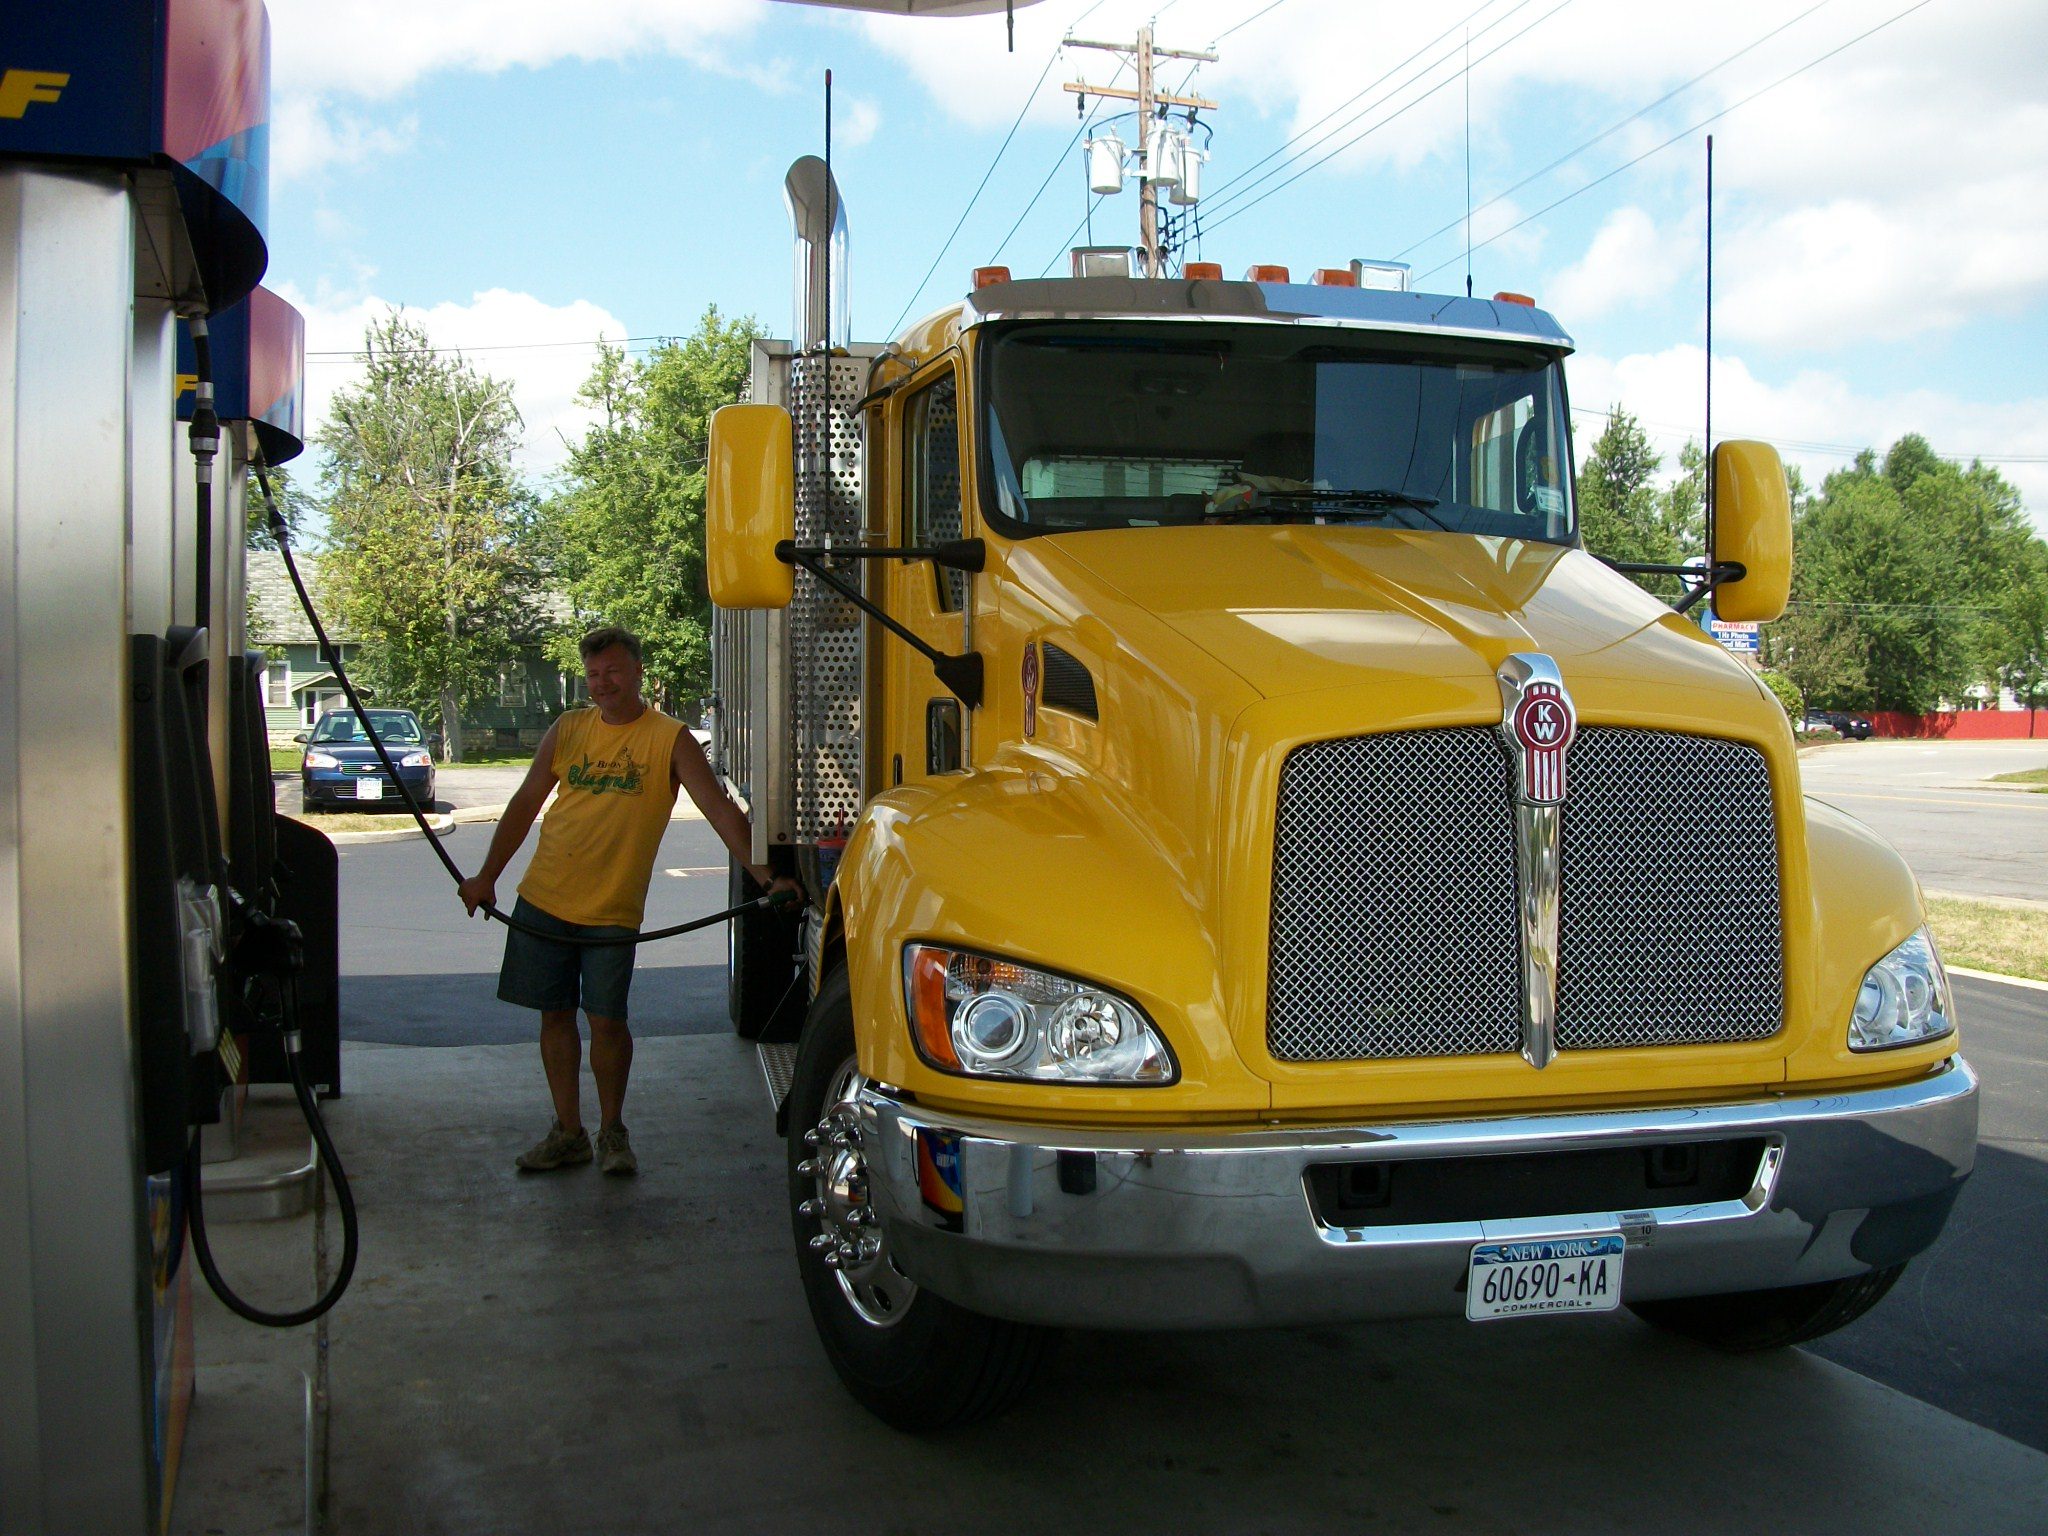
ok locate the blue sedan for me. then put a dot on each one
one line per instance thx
(341, 771)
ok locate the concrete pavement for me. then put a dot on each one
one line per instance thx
(571, 1353)
(1927, 799)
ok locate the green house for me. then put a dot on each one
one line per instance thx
(298, 684)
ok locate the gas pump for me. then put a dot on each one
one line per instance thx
(151, 910)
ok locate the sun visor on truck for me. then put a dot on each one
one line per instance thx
(181, 85)
(259, 372)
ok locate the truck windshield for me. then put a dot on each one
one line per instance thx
(1125, 425)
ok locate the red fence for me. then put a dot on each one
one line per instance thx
(1967, 725)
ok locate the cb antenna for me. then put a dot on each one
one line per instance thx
(1468, 162)
(1708, 429)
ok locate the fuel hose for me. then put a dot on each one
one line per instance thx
(332, 658)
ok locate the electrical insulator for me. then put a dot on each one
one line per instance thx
(1106, 165)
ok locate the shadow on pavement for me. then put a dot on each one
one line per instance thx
(464, 1009)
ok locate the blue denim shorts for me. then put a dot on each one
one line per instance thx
(549, 976)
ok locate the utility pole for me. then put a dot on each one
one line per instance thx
(1149, 102)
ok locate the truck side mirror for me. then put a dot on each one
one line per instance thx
(1752, 528)
(750, 507)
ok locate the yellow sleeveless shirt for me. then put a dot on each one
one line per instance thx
(613, 795)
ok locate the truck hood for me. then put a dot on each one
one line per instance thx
(1298, 609)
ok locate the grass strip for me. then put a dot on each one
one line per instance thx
(2034, 776)
(1991, 936)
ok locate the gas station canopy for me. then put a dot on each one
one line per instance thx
(922, 7)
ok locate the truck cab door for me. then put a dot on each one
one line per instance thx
(926, 728)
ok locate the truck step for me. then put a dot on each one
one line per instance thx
(778, 1070)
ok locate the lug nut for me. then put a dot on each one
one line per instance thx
(811, 1137)
(823, 1241)
(811, 1207)
(834, 1261)
(808, 1168)
(860, 1216)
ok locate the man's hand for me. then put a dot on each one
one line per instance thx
(781, 890)
(478, 891)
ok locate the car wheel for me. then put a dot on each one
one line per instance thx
(1752, 1320)
(913, 1359)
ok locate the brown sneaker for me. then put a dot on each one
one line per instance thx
(557, 1149)
(615, 1153)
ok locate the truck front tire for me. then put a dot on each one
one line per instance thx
(1752, 1320)
(914, 1360)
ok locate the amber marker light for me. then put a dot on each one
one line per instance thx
(1260, 272)
(1335, 277)
(988, 277)
(928, 1006)
(1197, 271)
(1514, 298)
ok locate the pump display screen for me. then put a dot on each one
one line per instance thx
(1121, 425)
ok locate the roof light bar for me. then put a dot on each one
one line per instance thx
(1514, 298)
(1334, 277)
(1199, 271)
(988, 277)
(1108, 261)
(1386, 276)
(1266, 272)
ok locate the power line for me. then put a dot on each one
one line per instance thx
(1223, 192)
(1029, 96)
(1712, 117)
(1615, 127)
(1397, 112)
(1240, 26)
(362, 354)
(1060, 160)
(1841, 450)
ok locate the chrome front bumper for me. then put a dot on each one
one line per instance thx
(1167, 1229)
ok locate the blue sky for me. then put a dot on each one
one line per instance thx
(524, 176)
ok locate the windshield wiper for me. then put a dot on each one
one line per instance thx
(1311, 498)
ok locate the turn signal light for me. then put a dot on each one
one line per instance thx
(1260, 273)
(988, 277)
(928, 997)
(1334, 277)
(1514, 298)
(1196, 271)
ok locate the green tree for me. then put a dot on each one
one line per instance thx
(627, 536)
(428, 525)
(1622, 514)
(1881, 617)
(295, 504)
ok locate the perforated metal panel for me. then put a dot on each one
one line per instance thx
(1669, 856)
(825, 633)
(1394, 899)
(1394, 930)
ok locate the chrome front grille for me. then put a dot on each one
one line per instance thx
(1394, 931)
(1394, 899)
(1669, 858)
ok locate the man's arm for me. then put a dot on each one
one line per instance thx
(693, 772)
(481, 888)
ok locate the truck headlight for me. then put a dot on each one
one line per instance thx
(984, 1017)
(322, 760)
(1904, 999)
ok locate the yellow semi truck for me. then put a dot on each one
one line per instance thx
(1265, 870)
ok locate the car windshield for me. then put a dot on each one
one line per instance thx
(1136, 425)
(395, 727)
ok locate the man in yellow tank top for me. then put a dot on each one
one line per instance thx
(614, 769)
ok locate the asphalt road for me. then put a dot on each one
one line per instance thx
(1966, 1329)
(1927, 799)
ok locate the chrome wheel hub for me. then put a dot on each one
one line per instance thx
(850, 1241)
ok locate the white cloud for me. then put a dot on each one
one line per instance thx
(378, 48)
(1900, 185)
(308, 136)
(328, 54)
(555, 356)
(1630, 260)
(857, 122)
(1817, 418)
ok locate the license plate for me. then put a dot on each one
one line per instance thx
(369, 789)
(1557, 1274)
